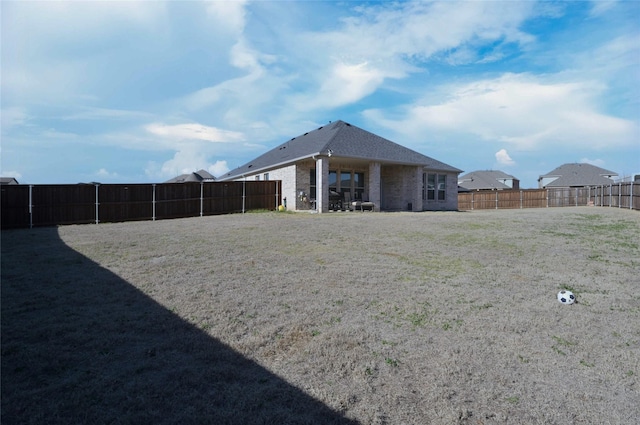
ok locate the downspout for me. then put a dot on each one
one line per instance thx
(97, 205)
(30, 206)
(153, 202)
(244, 185)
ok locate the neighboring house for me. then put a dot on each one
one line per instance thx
(8, 180)
(344, 162)
(198, 176)
(576, 175)
(488, 180)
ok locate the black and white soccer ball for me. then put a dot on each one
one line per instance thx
(566, 297)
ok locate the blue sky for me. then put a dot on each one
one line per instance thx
(134, 92)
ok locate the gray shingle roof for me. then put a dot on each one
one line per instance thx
(569, 175)
(198, 176)
(8, 180)
(343, 140)
(489, 179)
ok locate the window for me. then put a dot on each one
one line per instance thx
(345, 181)
(257, 177)
(341, 182)
(312, 184)
(266, 176)
(434, 186)
(442, 186)
(333, 180)
(430, 183)
(358, 185)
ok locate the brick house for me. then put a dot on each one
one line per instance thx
(329, 167)
(488, 180)
(576, 175)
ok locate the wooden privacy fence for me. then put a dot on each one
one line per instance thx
(621, 195)
(50, 205)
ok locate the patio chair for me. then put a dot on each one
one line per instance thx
(366, 204)
(363, 204)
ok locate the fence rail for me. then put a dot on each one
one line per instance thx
(51, 205)
(620, 195)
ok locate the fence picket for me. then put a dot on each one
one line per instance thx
(553, 197)
(50, 205)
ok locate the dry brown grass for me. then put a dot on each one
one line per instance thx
(298, 318)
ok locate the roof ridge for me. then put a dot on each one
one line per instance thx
(338, 131)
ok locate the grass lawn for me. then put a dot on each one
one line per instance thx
(294, 318)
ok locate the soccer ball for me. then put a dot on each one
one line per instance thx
(566, 297)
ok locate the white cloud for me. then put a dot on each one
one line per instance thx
(104, 174)
(503, 158)
(192, 147)
(418, 30)
(12, 117)
(10, 173)
(193, 131)
(218, 168)
(93, 113)
(183, 161)
(187, 159)
(48, 46)
(393, 41)
(347, 84)
(228, 15)
(525, 111)
(599, 7)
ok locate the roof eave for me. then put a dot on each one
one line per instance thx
(267, 168)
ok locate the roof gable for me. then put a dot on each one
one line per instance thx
(489, 179)
(338, 139)
(198, 176)
(8, 180)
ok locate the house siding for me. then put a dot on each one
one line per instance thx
(288, 176)
(390, 187)
(450, 203)
(398, 187)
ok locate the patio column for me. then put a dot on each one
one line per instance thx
(374, 184)
(417, 194)
(322, 184)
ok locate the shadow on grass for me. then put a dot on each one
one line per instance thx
(81, 345)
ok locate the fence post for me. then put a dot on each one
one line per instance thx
(30, 206)
(619, 195)
(244, 185)
(97, 205)
(546, 192)
(153, 202)
(631, 195)
(496, 199)
(610, 195)
(201, 197)
(521, 199)
(472, 201)
(276, 190)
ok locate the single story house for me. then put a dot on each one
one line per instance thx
(198, 176)
(576, 175)
(339, 163)
(488, 180)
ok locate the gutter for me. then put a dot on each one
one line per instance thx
(270, 167)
